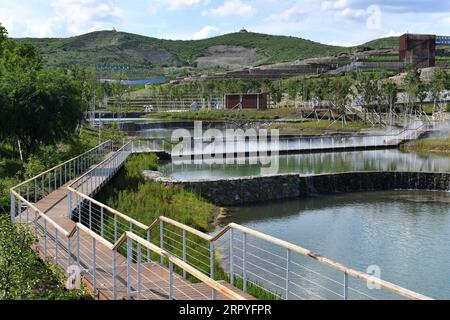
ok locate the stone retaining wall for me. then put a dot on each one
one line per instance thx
(239, 191)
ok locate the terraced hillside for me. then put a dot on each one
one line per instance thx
(232, 50)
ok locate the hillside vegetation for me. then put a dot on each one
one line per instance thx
(136, 51)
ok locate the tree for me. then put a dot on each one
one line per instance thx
(40, 107)
(438, 83)
(390, 90)
(414, 87)
(338, 92)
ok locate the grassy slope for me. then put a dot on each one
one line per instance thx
(432, 145)
(146, 201)
(109, 47)
(389, 42)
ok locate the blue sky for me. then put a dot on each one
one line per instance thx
(343, 22)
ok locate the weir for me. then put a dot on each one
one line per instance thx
(186, 148)
(241, 191)
(121, 258)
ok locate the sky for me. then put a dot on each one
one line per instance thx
(337, 22)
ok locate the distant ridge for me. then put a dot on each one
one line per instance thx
(120, 48)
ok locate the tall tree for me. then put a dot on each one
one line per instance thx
(438, 83)
(414, 87)
(38, 106)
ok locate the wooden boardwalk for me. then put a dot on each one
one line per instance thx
(149, 280)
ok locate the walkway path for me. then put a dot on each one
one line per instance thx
(101, 266)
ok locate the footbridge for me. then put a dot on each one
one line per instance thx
(118, 257)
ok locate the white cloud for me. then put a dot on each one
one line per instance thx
(175, 5)
(233, 7)
(80, 16)
(7, 19)
(349, 13)
(334, 5)
(286, 15)
(393, 33)
(446, 21)
(181, 4)
(206, 32)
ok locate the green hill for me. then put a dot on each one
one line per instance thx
(110, 47)
(389, 42)
(143, 53)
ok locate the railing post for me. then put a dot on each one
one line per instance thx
(78, 247)
(69, 253)
(149, 238)
(139, 271)
(69, 204)
(345, 286)
(101, 222)
(288, 273)
(94, 265)
(184, 252)
(56, 246)
(244, 262)
(36, 215)
(43, 186)
(161, 238)
(19, 209)
(231, 257)
(35, 190)
(90, 215)
(115, 228)
(170, 280)
(114, 280)
(45, 238)
(211, 271)
(13, 209)
(129, 262)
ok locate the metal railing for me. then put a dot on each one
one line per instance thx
(38, 187)
(120, 269)
(288, 271)
(253, 145)
(123, 258)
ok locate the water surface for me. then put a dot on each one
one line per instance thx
(405, 233)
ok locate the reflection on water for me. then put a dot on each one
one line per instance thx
(316, 163)
(405, 233)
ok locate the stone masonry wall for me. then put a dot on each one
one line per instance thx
(239, 191)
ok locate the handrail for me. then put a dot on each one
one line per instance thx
(213, 284)
(96, 166)
(191, 270)
(43, 215)
(111, 210)
(357, 274)
(186, 267)
(60, 165)
(186, 228)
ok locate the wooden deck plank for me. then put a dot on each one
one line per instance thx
(154, 277)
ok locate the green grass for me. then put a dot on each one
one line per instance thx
(439, 146)
(224, 115)
(312, 127)
(143, 53)
(388, 42)
(145, 201)
(23, 275)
